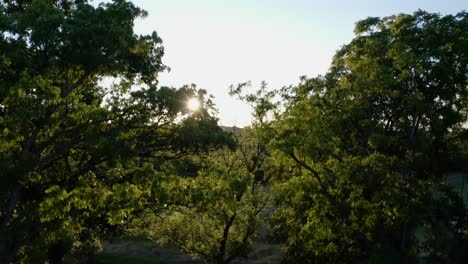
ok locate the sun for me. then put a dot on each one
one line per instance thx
(193, 104)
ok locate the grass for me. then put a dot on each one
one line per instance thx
(459, 182)
(140, 251)
(137, 251)
(122, 259)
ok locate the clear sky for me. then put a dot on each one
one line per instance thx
(214, 44)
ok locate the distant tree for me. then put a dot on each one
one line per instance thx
(362, 154)
(78, 159)
(213, 214)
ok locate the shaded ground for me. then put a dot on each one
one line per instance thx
(147, 252)
(459, 182)
(138, 251)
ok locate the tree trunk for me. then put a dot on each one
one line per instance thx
(222, 248)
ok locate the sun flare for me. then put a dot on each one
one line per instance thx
(193, 104)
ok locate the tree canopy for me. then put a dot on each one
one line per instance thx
(351, 166)
(215, 210)
(361, 155)
(78, 157)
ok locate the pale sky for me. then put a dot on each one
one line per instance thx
(214, 44)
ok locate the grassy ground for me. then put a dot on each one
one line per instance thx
(146, 252)
(140, 252)
(121, 259)
(459, 181)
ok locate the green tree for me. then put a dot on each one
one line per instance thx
(78, 159)
(214, 212)
(362, 153)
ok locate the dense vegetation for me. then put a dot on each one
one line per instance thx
(349, 167)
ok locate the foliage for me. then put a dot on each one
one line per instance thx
(78, 158)
(360, 156)
(215, 213)
(357, 160)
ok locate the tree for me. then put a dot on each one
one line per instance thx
(362, 153)
(213, 212)
(78, 158)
